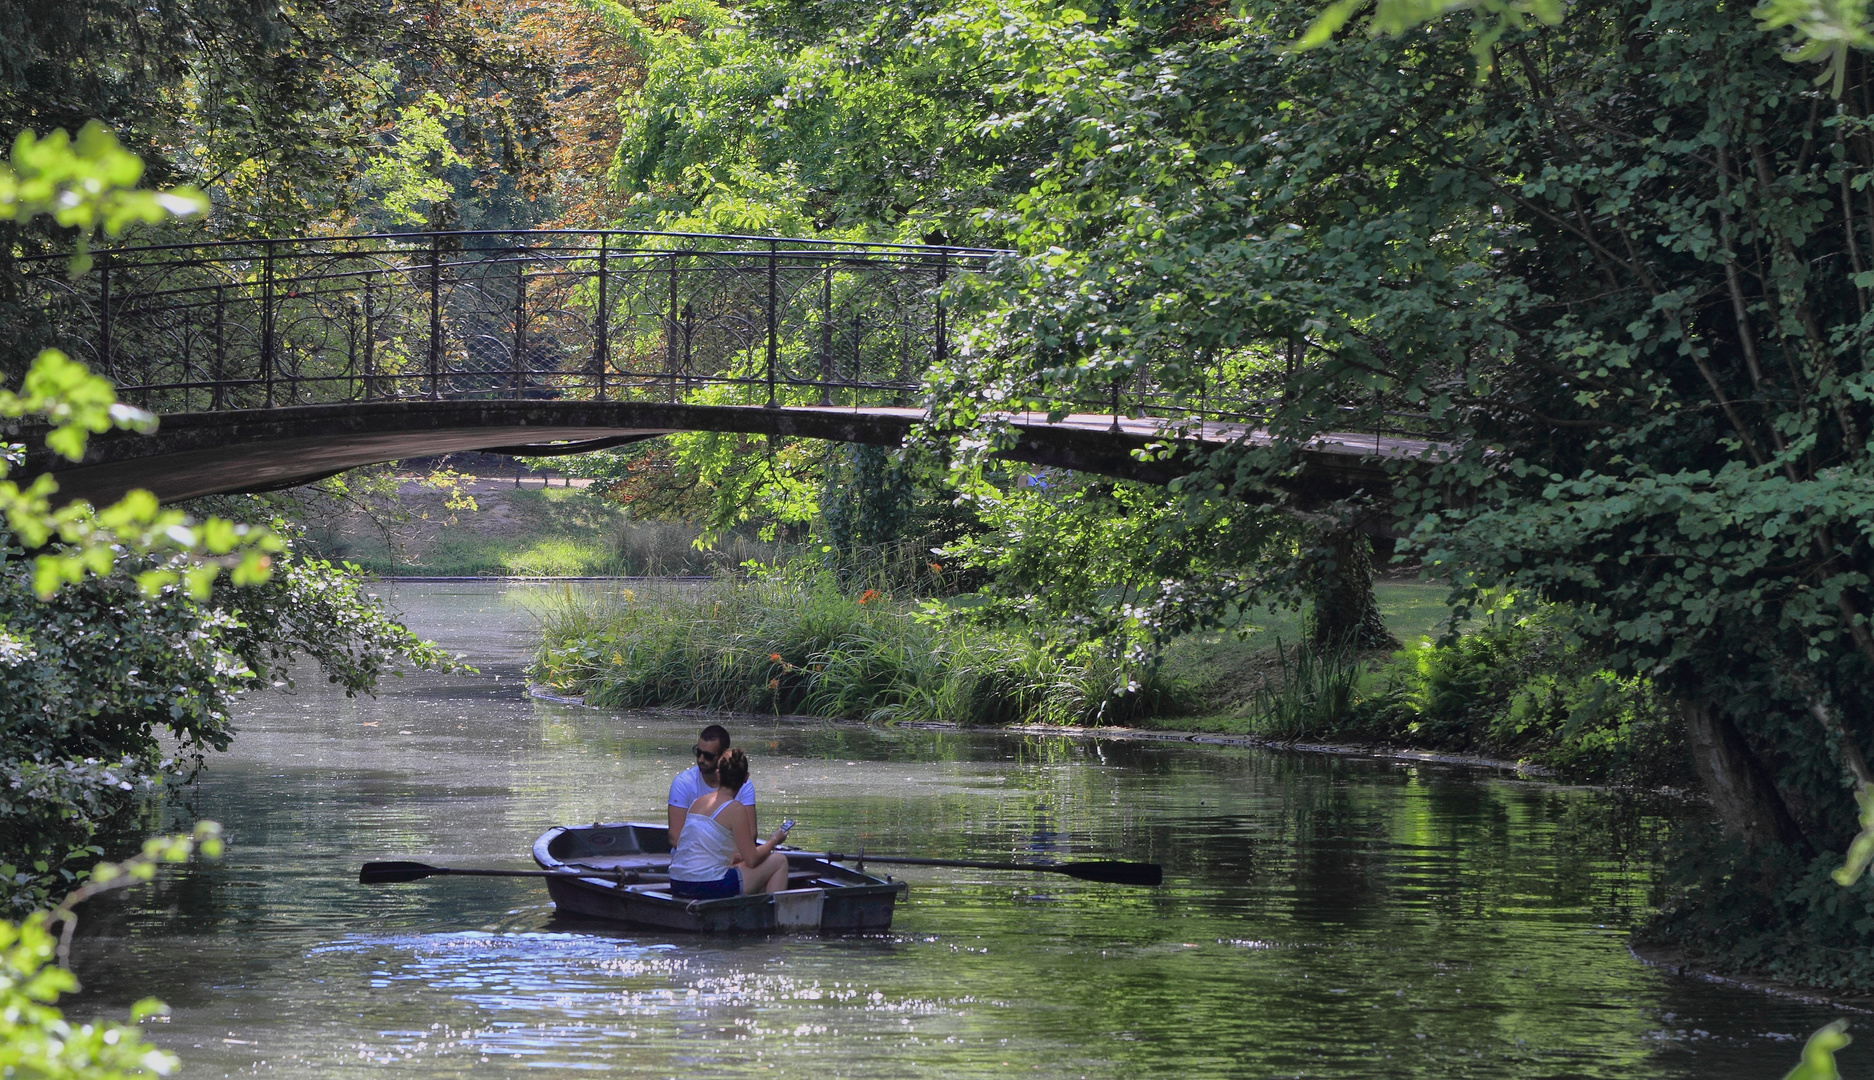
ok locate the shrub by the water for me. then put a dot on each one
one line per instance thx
(801, 641)
(1516, 686)
(1725, 909)
(1519, 686)
(99, 681)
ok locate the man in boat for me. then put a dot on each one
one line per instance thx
(700, 779)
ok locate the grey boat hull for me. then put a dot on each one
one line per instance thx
(822, 897)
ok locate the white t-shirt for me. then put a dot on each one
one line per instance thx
(689, 787)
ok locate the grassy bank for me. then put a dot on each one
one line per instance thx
(797, 642)
(801, 642)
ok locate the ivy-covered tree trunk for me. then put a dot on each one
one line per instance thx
(1346, 613)
(866, 498)
(1738, 785)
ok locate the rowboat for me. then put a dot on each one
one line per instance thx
(627, 860)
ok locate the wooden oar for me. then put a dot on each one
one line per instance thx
(1115, 873)
(391, 873)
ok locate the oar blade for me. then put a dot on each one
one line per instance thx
(390, 873)
(1116, 873)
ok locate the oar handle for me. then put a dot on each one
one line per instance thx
(1117, 873)
(449, 871)
(394, 873)
(907, 860)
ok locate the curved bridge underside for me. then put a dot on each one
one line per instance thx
(209, 453)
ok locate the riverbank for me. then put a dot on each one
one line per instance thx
(1681, 967)
(807, 640)
(1127, 734)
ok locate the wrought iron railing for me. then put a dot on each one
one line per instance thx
(609, 315)
(565, 314)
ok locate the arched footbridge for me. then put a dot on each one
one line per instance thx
(277, 362)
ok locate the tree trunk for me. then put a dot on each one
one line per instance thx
(1739, 786)
(1346, 615)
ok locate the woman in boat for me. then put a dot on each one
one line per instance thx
(716, 854)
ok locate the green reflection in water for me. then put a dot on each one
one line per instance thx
(1322, 916)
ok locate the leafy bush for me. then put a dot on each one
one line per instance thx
(1773, 912)
(1517, 686)
(1520, 686)
(92, 680)
(798, 641)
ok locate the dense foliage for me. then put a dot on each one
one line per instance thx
(98, 680)
(290, 117)
(836, 119)
(273, 109)
(1624, 272)
(1097, 560)
(1619, 261)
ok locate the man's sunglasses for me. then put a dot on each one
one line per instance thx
(705, 755)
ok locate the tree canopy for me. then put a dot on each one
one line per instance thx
(1617, 260)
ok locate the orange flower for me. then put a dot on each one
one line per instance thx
(868, 596)
(774, 684)
(936, 568)
(775, 656)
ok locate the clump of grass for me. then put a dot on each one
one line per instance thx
(1317, 695)
(798, 641)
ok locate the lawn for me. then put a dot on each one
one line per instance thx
(550, 532)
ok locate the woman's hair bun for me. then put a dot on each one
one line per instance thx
(732, 770)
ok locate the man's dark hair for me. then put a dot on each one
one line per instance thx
(715, 733)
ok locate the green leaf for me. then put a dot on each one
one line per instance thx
(1818, 1054)
(1327, 24)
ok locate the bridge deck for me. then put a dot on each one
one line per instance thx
(195, 454)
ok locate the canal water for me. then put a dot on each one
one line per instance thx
(1321, 916)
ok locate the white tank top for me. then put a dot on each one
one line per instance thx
(704, 848)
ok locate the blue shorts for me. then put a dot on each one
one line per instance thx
(730, 884)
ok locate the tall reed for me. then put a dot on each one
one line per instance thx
(666, 548)
(797, 641)
(1316, 695)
